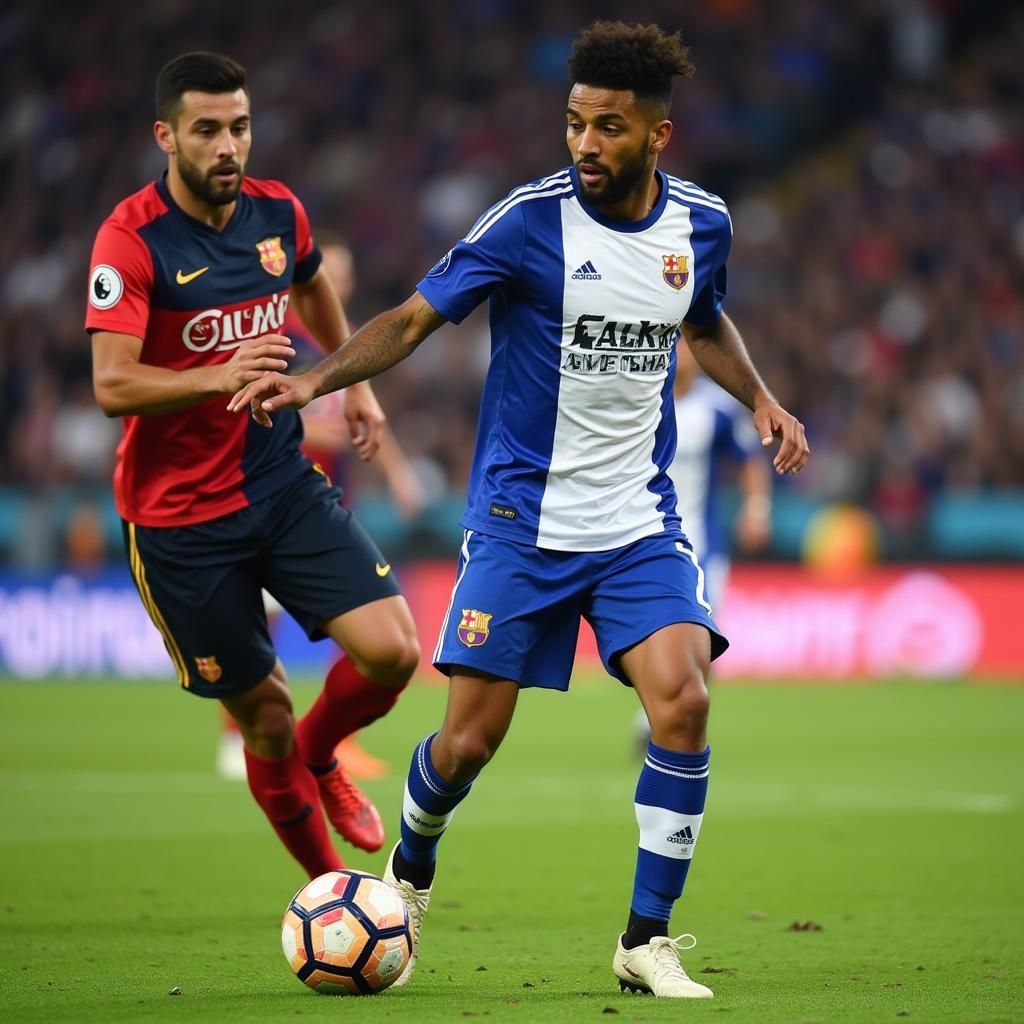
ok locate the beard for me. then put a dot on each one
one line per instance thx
(617, 187)
(205, 187)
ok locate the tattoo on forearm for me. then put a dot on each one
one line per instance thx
(368, 352)
(724, 357)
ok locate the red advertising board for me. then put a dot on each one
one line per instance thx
(785, 623)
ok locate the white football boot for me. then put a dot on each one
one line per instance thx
(416, 900)
(655, 968)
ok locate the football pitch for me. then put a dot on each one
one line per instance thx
(862, 859)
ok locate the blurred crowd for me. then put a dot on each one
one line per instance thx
(872, 156)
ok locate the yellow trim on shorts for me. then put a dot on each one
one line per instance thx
(139, 572)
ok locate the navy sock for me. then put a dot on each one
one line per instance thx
(640, 930)
(427, 808)
(669, 808)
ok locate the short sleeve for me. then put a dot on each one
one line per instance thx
(706, 307)
(307, 252)
(485, 260)
(120, 282)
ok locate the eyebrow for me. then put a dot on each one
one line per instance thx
(615, 116)
(212, 122)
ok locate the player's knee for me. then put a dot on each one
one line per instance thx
(685, 707)
(270, 730)
(468, 750)
(391, 659)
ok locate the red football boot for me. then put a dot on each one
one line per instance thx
(349, 810)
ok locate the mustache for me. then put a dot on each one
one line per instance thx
(233, 167)
(591, 165)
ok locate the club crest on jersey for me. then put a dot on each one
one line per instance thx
(209, 669)
(676, 272)
(273, 258)
(474, 629)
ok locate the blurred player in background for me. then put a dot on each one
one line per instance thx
(188, 278)
(326, 442)
(590, 272)
(712, 436)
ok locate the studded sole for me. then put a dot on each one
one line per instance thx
(633, 989)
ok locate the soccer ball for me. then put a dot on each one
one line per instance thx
(347, 933)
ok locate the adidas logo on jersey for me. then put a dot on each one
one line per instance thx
(586, 272)
(684, 836)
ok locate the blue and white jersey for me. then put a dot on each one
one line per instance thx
(576, 428)
(712, 428)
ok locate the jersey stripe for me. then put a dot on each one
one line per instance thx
(560, 177)
(689, 186)
(139, 573)
(451, 600)
(699, 589)
(497, 212)
(685, 197)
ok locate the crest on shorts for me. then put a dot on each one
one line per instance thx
(676, 272)
(273, 258)
(209, 669)
(474, 629)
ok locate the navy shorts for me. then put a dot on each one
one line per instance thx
(202, 584)
(515, 610)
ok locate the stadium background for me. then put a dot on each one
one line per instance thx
(872, 158)
(861, 857)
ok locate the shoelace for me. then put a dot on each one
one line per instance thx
(666, 952)
(346, 791)
(415, 899)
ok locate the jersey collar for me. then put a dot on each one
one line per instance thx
(630, 226)
(165, 195)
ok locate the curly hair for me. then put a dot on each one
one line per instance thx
(642, 58)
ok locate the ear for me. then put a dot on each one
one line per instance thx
(164, 136)
(661, 132)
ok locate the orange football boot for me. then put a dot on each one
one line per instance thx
(349, 809)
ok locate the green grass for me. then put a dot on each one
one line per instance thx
(892, 816)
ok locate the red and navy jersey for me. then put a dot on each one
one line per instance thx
(193, 293)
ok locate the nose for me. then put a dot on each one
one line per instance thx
(226, 144)
(589, 142)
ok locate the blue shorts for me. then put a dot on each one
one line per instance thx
(515, 610)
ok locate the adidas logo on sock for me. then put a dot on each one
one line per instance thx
(586, 272)
(684, 836)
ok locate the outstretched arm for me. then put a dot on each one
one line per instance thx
(319, 307)
(719, 349)
(387, 339)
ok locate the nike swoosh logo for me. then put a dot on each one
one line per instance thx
(185, 278)
(383, 570)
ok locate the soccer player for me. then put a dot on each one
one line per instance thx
(190, 276)
(591, 274)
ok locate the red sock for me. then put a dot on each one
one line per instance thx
(348, 702)
(290, 798)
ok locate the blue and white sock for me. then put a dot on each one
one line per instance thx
(427, 807)
(669, 808)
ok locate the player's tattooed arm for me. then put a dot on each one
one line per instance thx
(722, 355)
(387, 339)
